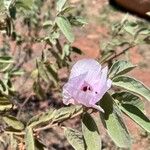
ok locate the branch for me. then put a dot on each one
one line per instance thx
(21, 107)
(119, 54)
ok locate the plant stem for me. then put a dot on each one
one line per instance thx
(119, 54)
(21, 107)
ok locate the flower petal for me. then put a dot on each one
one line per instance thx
(102, 85)
(71, 87)
(87, 84)
(98, 108)
(89, 66)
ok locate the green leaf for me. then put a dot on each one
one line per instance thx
(136, 115)
(42, 71)
(60, 4)
(66, 51)
(7, 3)
(38, 90)
(41, 118)
(52, 73)
(47, 73)
(120, 67)
(6, 85)
(5, 104)
(2, 6)
(29, 139)
(67, 10)
(5, 62)
(75, 138)
(47, 24)
(11, 121)
(132, 85)
(132, 106)
(90, 133)
(16, 72)
(78, 21)
(81, 20)
(129, 98)
(55, 116)
(113, 122)
(131, 27)
(26, 4)
(65, 27)
(67, 112)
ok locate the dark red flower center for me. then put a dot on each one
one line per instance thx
(86, 88)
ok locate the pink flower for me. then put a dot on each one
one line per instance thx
(87, 84)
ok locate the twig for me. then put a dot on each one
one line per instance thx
(119, 54)
(21, 106)
(45, 127)
(16, 133)
(52, 124)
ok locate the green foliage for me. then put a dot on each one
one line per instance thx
(26, 4)
(60, 5)
(29, 139)
(132, 106)
(125, 33)
(41, 119)
(90, 132)
(5, 104)
(13, 123)
(46, 72)
(45, 25)
(55, 116)
(114, 124)
(5, 62)
(65, 27)
(132, 85)
(120, 67)
(75, 138)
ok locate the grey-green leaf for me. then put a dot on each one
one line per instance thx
(29, 139)
(90, 133)
(67, 112)
(132, 85)
(133, 106)
(41, 118)
(75, 138)
(120, 67)
(26, 4)
(5, 62)
(13, 122)
(129, 98)
(55, 116)
(5, 104)
(60, 4)
(47, 72)
(137, 115)
(65, 27)
(113, 122)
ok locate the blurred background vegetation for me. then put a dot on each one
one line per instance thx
(39, 41)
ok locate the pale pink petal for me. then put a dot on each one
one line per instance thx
(87, 84)
(90, 66)
(102, 86)
(77, 81)
(98, 108)
(85, 98)
(103, 77)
